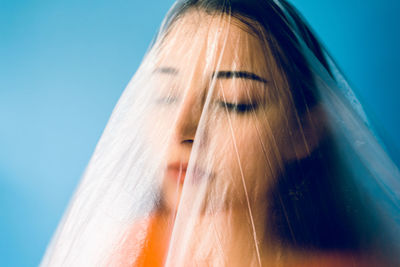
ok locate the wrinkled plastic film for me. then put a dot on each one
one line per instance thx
(238, 142)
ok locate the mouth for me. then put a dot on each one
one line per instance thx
(177, 172)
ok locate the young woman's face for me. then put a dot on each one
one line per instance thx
(221, 101)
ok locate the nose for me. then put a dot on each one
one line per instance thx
(187, 121)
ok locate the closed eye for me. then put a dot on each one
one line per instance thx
(240, 108)
(166, 100)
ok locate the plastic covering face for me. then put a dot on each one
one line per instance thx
(238, 142)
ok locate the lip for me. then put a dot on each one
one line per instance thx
(199, 174)
(177, 172)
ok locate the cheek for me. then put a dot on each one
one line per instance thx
(245, 157)
(158, 126)
(257, 161)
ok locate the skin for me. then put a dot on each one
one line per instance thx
(231, 131)
(215, 99)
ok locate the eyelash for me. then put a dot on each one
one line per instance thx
(240, 108)
(166, 100)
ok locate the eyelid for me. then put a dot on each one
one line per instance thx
(166, 99)
(240, 108)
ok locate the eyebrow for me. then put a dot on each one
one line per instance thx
(218, 74)
(238, 74)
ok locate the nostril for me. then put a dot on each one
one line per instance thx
(187, 141)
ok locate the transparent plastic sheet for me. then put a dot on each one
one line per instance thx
(238, 142)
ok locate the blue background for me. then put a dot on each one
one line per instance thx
(63, 65)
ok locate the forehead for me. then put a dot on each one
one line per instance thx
(208, 42)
